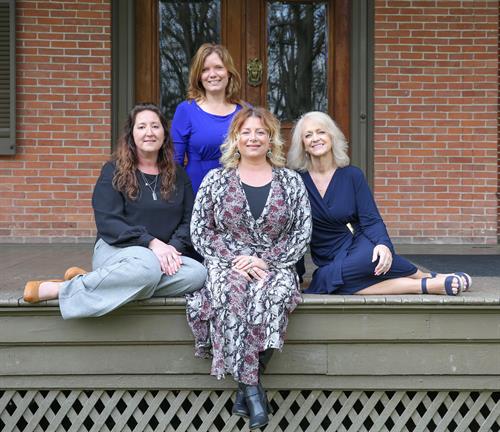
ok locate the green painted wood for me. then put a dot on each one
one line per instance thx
(7, 77)
(330, 345)
(414, 359)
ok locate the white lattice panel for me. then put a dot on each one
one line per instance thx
(210, 411)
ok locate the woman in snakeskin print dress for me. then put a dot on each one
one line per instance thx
(251, 222)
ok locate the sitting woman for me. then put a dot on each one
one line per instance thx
(362, 261)
(142, 205)
(251, 222)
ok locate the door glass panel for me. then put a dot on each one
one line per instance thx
(184, 26)
(297, 58)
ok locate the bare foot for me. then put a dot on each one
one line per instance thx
(436, 285)
(49, 290)
(465, 282)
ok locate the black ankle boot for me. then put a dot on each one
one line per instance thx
(264, 357)
(240, 405)
(257, 406)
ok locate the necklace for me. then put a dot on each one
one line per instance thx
(148, 185)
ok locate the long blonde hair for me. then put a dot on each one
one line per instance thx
(230, 146)
(299, 160)
(195, 90)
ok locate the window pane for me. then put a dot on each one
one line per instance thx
(297, 58)
(184, 26)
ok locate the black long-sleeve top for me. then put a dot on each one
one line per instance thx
(123, 222)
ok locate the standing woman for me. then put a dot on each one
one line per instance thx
(200, 123)
(142, 204)
(251, 222)
(363, 261)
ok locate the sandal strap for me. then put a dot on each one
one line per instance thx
(449, 281)
(423, 283)
(466, 278)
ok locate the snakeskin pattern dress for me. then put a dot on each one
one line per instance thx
(232, 319)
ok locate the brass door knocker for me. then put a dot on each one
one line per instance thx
(254, 72)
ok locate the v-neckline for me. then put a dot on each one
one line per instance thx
(247, 205)
(330, 184)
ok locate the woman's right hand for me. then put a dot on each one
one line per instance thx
(168, 256)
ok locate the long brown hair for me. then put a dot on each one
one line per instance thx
(195, 90)
(125, 156)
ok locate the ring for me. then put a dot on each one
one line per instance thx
(250, 260)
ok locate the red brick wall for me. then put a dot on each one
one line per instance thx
(436, 114)
(63, 120)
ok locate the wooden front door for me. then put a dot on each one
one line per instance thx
(293, 56)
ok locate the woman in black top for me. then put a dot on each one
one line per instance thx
(142, 204)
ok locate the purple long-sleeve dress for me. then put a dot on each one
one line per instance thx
(199, 135)
(344, 259)
(233, 319)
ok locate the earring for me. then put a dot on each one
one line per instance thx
(237, 155)
(269, 154)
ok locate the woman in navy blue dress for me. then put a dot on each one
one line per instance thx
(350, 244)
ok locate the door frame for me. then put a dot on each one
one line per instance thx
(136, 63)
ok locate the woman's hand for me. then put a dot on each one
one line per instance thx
(384, 256)
(253, 266)
(169, 257)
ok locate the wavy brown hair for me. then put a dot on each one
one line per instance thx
(125, 157)
(196, 91)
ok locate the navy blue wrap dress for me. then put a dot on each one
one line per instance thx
(344, 258)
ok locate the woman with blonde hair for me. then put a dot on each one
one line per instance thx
(251, 223)
(200, 123)
(360, 260)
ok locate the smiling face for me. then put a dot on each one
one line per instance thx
(316, 140)
(214, 75)
(148, 133)
(254, 139)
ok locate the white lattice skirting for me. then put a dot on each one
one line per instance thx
(311, 411)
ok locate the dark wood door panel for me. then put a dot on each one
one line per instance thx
(244, 32)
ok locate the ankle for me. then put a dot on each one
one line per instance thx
(49, 290)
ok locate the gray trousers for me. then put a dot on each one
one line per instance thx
(121, 275)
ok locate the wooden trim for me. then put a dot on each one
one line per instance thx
(123, 72)
(232, 29)
(342, 67)
(147, 60)
(8, 78)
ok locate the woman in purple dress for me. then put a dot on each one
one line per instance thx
(350, 244)
(251, 222)
(200, 123)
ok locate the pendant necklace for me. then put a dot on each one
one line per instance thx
(148, 185)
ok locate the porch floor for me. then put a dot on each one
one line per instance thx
(22, 262)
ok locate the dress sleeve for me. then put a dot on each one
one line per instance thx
(109, 205)
(292, 245)
(207, 238)
(180, 131)
(181, 238)
(370, 221)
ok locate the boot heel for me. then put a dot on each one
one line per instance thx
(257, 407)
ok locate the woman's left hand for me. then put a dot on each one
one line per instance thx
(246, 262)
(168, 256)
(254, 266)
(384, 256)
